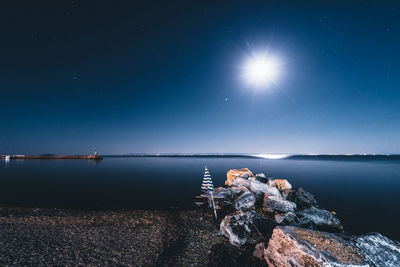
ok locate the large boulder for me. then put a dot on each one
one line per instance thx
(288, 194)
(259, 200)
(302, 198)
(292, 246)
(238, 189)
(241, 182)
(262, 177)
(222, 199)
(274, 203)
(231, 175)
(281, 184)
(379, 250)
(245, 201)
(223, 193)
(318, 219)
(257, 186)
(246, 227)
(288, 218)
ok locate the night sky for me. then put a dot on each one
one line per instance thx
(130, 77)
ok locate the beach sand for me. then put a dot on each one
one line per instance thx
(30, 236)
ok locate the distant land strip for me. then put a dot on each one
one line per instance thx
(267, 156)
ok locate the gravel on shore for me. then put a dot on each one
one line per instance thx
(173, 237)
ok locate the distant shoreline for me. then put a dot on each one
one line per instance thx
(341, 157)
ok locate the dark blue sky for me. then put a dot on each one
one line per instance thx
(128, 77)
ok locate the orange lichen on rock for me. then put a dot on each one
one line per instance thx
(281, 184)
(231, 175)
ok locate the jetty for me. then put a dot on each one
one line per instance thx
(19, 157)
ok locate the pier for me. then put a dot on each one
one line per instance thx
(19, 157)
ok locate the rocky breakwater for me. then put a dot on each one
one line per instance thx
(285, 226)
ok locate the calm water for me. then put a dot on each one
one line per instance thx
(365, 194)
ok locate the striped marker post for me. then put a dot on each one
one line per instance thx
(208, 188)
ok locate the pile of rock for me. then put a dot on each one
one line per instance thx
(288, 228)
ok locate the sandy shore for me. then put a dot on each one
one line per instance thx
(135, 237)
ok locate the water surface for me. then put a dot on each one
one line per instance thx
(364, 193)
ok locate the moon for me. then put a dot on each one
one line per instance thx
(261, 70)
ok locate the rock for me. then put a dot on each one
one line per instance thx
(288, 194)
(223, 199)
(274, 203)
(259, 250)
(237, 190)
(288, 218)
(261, 177)
(256, 186)
(319, 219)
(281, 184)
(379, 250)
(292, 246)
(223, 193)
(246, 227)
(231, 175)
(219, 189)
(241, 182)
(303, 199)
(259, 200)
(245, 201)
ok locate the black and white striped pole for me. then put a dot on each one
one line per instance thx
(208, 188)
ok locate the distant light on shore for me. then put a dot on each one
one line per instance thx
(271, 156)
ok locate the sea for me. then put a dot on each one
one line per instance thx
(364, 191)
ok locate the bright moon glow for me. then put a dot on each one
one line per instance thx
(261, 70)
(271, 156)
